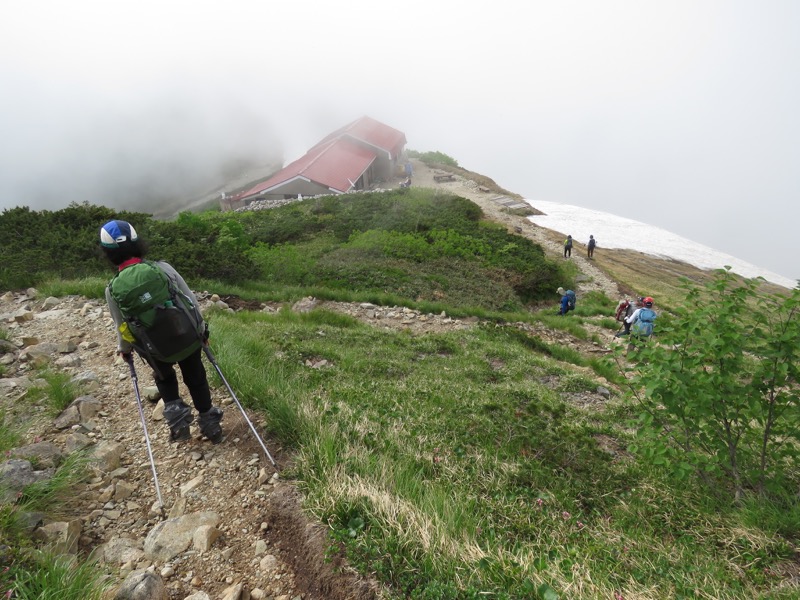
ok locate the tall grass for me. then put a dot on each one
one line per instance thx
(46, 576)
(56, 388)
(90, 287)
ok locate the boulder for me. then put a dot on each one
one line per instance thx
(142, 585)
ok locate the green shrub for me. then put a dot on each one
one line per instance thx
(433, 158)
(721, 387)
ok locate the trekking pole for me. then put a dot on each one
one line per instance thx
(213, 361)
(135, 380)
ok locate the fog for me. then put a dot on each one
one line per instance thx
(682, 115)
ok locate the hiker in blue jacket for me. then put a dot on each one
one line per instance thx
(642, 320)
(567, 301)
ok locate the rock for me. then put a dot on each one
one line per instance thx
(233, 593)
(123, 490)
(81, 409)
(151, 393)
(67, 347)
(29, 340)
(76, 441)
(85, 377)
(257, 594)
(191, 485)
(261, 547)
(158, 411)
(171, 537)
(22, 316)
(45, 349)
(305, 305)
(204, 537)
(44, 454)
(68, 361)
(268, 564)
(121, 550)
(62, 537)
(15, 474)
(198, 596)
(107, 455)
(88, 407)
(142, 585)
(178, 509)
(68, 417)
(604, 392)
(32, 293)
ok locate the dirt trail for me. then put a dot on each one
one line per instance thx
(592, 278)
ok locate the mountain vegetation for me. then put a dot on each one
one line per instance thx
(528, 456)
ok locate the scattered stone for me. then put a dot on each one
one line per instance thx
(62, 537)
(158, 411)
(204, 537)
(76, 441)
(171, 537)
(268, 564)
(107, 455)
(191, 485)
(45, 454)
(15, 474)
(233, 593)
(142, 585)
(121, 550)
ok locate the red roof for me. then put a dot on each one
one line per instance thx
(372, 132)
(336, 164)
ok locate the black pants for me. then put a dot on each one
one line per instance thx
(567, 251)
(194, 376)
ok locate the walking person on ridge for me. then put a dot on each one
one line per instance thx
(590, 246)
(568, 247)
(136, 282)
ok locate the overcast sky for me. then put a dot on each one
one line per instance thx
(681, 114)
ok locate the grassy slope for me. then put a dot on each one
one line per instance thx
(472, 465)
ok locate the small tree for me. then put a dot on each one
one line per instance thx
(720, 386)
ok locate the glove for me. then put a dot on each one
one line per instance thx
(126, 356)
(206, 333)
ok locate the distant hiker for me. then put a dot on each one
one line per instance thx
(568, 300)
(642, 320)
(625, 309)
(590, 246)
(157, 315)
(409, 170)
(568, 246)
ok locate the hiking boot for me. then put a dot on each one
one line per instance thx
(178, 417)
(209, 424)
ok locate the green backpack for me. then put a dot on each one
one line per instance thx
(159, 321)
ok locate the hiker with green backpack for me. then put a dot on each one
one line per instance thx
(157, 315)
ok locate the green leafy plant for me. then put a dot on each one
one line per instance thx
(720, 387)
